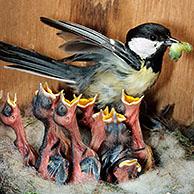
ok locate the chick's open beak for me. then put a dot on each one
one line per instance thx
(12, 103)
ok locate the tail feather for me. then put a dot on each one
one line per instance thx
(35, 63)
(39, 73)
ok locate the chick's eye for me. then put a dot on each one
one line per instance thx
(46, 103)
(153, 37)
(122, 127)
(120, 108)
(7, 110)
(108, 128)
(61, 109)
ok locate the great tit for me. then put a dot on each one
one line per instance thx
(134, 66)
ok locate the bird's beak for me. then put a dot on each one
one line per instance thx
(171, 40)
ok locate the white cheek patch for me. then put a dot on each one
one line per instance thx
(144, 47)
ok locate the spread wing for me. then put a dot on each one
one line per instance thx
(86, 44)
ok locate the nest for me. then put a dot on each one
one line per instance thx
(173, 152)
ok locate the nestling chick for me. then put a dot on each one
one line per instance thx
(139, 149)
(51, 162)
(118, 164)
(11, 116)
(85, 162)
(87, 107)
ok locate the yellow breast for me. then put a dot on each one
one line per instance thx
(109, 85)
(140, 81)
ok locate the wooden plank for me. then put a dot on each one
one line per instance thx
(20, 25)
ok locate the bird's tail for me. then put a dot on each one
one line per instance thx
(35, 63)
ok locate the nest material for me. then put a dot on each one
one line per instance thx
(173, 173)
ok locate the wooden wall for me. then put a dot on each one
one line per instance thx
(20, 25)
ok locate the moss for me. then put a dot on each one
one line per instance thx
(186, 144)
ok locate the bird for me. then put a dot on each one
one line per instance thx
(87, 109)
(115, 151)
(85, 162)
(130, 109)
(11, 116)
(52, 162)
(133, 66)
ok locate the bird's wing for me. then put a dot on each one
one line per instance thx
(85, 42)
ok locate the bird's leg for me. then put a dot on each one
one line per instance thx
(11, 116)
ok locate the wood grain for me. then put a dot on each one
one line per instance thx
(20, 25)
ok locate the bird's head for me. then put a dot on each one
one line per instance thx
(44, 102)
(10, 112)
(65, 111)
(146, 39)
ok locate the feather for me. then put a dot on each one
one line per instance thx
(78, 46)
(32, 62)
(109, 46)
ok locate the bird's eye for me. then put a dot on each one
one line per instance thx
(122, 127)
(46, 103)
(120, 108)
(61, 109)
(108, 128)
(153, 37)
(7, 110)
